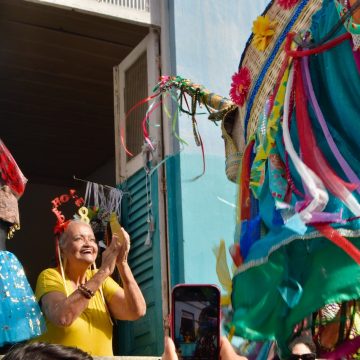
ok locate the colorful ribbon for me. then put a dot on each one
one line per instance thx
(320, 118)
(312, 155)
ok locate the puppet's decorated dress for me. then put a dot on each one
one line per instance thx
(292, 263)
(20, 315)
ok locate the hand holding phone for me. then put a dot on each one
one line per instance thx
(227, 352)
(196, 321)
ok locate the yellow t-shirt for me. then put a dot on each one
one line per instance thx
(92, 330)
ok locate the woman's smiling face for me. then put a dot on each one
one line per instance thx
(79, 244)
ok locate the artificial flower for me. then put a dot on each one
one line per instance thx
(287, 4)
(240, 86)
(164, 79)
(264, 30)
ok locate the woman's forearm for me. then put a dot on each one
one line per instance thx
(134, 299)
(67, 310)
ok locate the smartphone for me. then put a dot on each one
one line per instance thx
(195, 321)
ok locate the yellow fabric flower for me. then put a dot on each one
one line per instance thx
(263, 29)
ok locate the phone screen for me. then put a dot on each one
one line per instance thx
(196, 321)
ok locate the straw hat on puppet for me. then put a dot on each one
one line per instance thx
(259, 65)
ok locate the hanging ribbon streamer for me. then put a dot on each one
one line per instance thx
(174, 119)
(122, 131)
(319, 196)
(312, 183)
(169, 85)
(154, 106)
(200, 143)
(141, 102)
(320, 118)
(313, 157)
(155, 100)
(122, 136)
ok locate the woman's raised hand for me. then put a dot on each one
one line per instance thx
(117, 252)
(109, 257)
(169, 350)
(124, 246)
(227, 352)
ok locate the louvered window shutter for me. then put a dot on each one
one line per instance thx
(134, 79)
(135, 90)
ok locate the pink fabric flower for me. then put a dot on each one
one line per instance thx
(164, 79)
(287, 4)
(240, 86)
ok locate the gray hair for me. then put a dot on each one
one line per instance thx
(63, 236)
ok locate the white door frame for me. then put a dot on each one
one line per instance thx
(150, 45)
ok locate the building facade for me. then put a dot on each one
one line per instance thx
(71, 71)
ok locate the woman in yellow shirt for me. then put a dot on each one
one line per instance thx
(78, 302)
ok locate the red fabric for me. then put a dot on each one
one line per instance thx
(314, 158)
(245, 203)
(301, 53)
(10, 172)
(335, 237)
(287, 4)
(61, 227)
(312, 155)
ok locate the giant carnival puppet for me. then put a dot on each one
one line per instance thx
(292, 145)
(20, 315)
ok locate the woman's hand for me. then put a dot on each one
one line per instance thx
(169, 350)
(127, 303)
(117, 252)
(124, 246)
(226, 350)
(109, 257)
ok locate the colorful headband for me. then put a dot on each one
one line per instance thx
(62, 223)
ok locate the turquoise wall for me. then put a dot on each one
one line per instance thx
(207, 38)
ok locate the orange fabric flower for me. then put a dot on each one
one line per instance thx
(263, 29)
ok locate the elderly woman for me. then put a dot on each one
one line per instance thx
(78, 302)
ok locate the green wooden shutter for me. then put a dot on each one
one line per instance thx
(144, 336)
